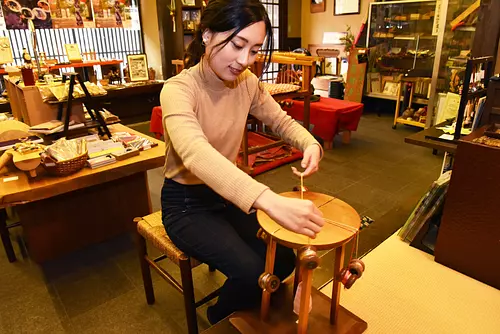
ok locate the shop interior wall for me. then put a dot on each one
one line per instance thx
(151, 35)
(294, 18)
(315, 24)
(497, 69)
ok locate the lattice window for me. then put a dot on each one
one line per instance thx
(273, 10)
(108, 43)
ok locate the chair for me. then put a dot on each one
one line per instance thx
(150, 228)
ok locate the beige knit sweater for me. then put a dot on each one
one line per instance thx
(204, 120)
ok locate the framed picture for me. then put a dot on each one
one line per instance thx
(195, 16)
(138, 67)
(346, 7)
(374, 82)
(318, 6)
(390, 88)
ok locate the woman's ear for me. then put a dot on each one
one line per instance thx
(207, 36)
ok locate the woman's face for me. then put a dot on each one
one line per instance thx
(230, 60)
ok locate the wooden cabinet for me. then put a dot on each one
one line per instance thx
(175, 40)
(469, 234)
(27, 105)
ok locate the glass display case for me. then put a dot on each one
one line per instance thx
(401, 38)
(427, 43)
(457, 44)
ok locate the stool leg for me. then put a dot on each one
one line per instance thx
(4, 234)
(266, 295)
(189, 301)
(145, 270)
(339, 262)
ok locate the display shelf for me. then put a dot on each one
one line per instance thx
(383, 96)
(408, 122)
(191, 7)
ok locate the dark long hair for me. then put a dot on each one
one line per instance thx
(226, 15)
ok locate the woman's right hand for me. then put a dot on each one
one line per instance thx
(297, 215)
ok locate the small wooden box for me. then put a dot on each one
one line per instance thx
(27, 105)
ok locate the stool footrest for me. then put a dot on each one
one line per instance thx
(207, 298)
(166, 276)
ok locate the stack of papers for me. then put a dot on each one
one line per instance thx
(101, 161)
(103, 147)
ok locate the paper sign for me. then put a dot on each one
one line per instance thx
(73, 52)
(5, 51)
(437, 18)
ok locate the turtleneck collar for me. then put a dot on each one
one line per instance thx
(210, 79)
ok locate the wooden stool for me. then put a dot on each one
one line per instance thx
(151, 228)
(341, 225)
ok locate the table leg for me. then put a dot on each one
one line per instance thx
(346, 137)
(266, 295)
(4, 233)
(307, 112)
(339, 262)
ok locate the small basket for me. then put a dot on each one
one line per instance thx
(62, 168)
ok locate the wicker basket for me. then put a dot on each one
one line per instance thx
(67, 167)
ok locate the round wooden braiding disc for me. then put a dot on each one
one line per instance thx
(331, 236)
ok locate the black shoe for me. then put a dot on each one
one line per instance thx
(211, 316)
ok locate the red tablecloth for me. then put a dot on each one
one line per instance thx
(329, 116)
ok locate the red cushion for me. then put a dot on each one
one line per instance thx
(329, 116)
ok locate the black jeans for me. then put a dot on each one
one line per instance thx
(207, 227)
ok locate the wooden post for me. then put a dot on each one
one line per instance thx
(398, 103)
(266, 295)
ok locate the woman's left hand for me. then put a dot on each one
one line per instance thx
(312, 156)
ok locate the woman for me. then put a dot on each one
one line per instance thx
(207, 202)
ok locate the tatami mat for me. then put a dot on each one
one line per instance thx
(404, 291)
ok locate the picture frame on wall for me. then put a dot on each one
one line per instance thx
(346, 7)
(318, 6)
(138, 67)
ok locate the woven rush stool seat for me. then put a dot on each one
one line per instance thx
(150, 228)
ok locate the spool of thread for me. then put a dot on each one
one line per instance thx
(296, 301)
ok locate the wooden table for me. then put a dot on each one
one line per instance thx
(420, 139)
(63, 214)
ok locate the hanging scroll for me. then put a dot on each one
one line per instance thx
(72, 14)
